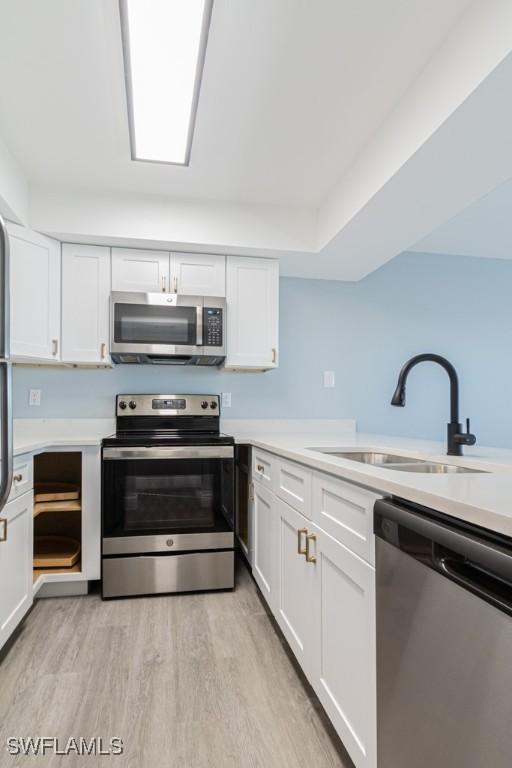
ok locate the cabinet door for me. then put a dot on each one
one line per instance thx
(197, 274)
(345, 657)
(296, 583)
(85, 303)
(35, 295)
(140, 271)
(252, 293)
(16, 553)
(265, 543)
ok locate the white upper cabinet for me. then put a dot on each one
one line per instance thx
(85, 303)
(197, 274)
(140, 271)
(35, 295)
(252, 293)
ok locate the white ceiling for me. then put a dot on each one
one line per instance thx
(484, 229)
(293, 91)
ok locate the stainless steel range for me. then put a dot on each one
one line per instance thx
(167, 497)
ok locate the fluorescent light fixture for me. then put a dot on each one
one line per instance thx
(164, 44)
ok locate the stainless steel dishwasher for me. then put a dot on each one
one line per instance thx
(444, 641)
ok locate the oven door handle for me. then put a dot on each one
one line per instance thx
(173, 452)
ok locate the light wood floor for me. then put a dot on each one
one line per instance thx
(193, 681)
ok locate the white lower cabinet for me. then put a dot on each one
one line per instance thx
(265, 551)
(16, 552)
(295, 585)
(344, 675)
(322, 595)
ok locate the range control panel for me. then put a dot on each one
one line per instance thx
(212, 327)
(167, 405)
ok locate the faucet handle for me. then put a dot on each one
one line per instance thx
(469, 439)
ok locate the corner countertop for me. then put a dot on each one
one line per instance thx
(32, 435)
(483, 498)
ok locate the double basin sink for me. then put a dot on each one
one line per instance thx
(400, 463)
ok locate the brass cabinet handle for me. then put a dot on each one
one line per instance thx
(260, 467)
(309, 557)
(251, 491)
(3, 523)
(103, 351)
(163, 283)
(175, 284)
(55, 345)
(274, 354)
(18, 478)
(300, 533)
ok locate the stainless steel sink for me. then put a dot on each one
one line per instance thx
(436, 469)
(369, 457)
(399, 463)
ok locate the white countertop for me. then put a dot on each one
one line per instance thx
(30, 435)
(484, 498)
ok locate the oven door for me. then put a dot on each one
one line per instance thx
(156, 323)
(166, 499)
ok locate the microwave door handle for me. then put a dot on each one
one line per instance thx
(199, 333)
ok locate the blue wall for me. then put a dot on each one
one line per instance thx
(456, 306)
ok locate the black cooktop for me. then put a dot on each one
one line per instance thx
(166, 438)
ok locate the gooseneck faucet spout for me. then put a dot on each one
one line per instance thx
(456, 437)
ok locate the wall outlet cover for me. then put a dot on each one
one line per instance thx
(225, 399)
(329, 379)
(34, 397)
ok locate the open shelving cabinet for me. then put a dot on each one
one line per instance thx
(57, 513)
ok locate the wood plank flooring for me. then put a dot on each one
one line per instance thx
(188, 681)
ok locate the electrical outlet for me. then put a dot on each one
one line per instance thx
(34, 397)
(225, 399)
(329, 379)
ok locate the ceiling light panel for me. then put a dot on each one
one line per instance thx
(164, 43)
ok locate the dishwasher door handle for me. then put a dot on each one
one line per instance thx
(482, 584)
(477, 549)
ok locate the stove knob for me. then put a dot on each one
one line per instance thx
(204, 405)
(213, 404)
(132, 404)
(122, 405)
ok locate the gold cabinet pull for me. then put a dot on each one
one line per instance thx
(3, 523)
(251, 491)
(55, 346)
(103, 351)
(301, 532)
(163, 283)
(309, 557)
(260, 467)
(18, 478)
(175, 284)
(274, 354)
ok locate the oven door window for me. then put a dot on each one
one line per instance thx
(151, 496)
(155, 324)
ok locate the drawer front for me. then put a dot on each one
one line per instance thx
(22, 476)
(263, 467)
(345, 512)
(162, 574)
(293, 485)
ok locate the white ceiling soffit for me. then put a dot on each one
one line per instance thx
(311, 117)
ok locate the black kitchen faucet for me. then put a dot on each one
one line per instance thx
(456, 437)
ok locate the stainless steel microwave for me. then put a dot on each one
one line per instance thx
(167, 329)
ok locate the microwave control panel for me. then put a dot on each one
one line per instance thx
(212, 327)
